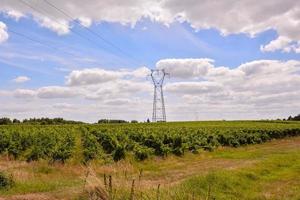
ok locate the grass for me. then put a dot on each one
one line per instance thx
(275, 177)
(263, 171)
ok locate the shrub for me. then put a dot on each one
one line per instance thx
(4, 141)
(42, 146)
(142, 153)
(119, 153)
(90, 145)
(63, 148)
(6, 181)
(108, 142)
(5, 121)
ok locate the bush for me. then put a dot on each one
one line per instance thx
(5, 121)
(119, 153)
(63, 148)
(41, 147)
(4, 141)
(90, 145)
(178, 147)
(6, 181)
(142, 153)
(108, 142)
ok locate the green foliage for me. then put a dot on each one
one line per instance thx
(142, 153)
(119, 153)
(296, 118)
(114, 141)
(5, 121)
(63, 148)
(91, 147)
(41, 147)
(6, 181)
(111, 121)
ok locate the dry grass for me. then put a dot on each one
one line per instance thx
(76, 180)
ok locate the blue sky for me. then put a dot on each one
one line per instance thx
(142, 43)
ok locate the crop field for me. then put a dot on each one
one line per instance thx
(176, 160)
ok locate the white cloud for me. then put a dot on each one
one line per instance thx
(253, 90)
(3, 32)
(185, 68)
(52, 92)
(117, 89)
(64, 106)
(4, 93)
(228, 17)
(91, 76)
(280, 43)
(249, 81)
(118, 102)
(85, 21)
(24, 93)
(141, 72)
(61, 27)
(196, 88)
(16, 15)
(21, 79)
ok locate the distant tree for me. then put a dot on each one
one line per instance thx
(16, 121)
(148, 120)
(111, 121)
(5, 121)
(134, 121)
(48, 121)
(296, 118)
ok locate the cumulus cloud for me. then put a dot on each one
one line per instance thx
(280, 43)
(3, 32)
(118, 102)
(24, 93)
(243, 85)
(64, 106)
(61, 27)
(185, 68)
(196, 88)
(256, 89)
(52, 92)
(85, 21)
(21, 79)
(91, 76)
(141, 72)
(16, 15)
(246, 16)
(92, 84)
(228, 17)
(117, 89)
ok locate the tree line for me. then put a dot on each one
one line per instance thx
(57, 121)
(41, 121)
(296, 118)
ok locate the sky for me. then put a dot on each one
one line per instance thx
(91, 60)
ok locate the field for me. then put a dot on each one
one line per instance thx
(179, 160)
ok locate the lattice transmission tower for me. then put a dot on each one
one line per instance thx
(159, 110)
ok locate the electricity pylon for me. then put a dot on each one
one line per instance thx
(159, 110)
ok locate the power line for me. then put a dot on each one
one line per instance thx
(88, 29)
(31, 39)
(43, 43)
(78, 34)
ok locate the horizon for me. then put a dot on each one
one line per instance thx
(90, 62)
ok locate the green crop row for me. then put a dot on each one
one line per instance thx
(58, 143)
